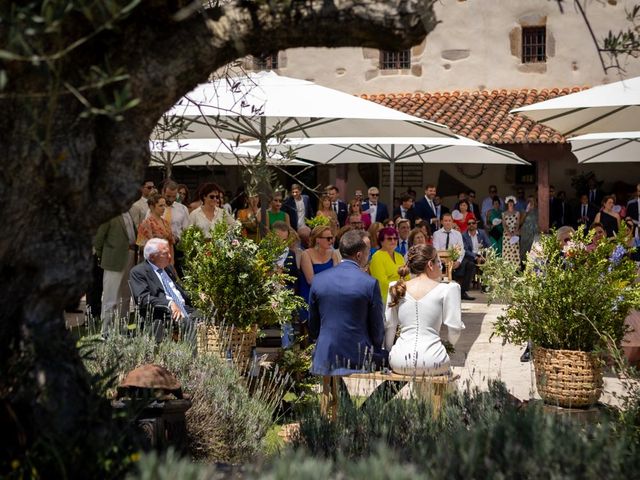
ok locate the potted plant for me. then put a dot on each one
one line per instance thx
(570, 299)
(234, 283)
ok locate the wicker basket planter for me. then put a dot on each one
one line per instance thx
(228, 342)
(568, 378)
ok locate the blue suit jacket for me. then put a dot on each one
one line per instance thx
(345, 316)
(483, 239)
(424, 211)
(382, 212)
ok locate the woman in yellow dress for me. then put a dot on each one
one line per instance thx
(386, 261)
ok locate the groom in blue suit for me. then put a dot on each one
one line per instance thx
(345, 312)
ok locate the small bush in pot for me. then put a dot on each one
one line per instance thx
(571, 296)
(233, 281)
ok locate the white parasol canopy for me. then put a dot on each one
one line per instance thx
(264, 105)
(341, 150)
(606, 108)
(606, 147)
(208, 152)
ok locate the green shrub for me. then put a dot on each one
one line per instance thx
(225, 422)
(478, 435)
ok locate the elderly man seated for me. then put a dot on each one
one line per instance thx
(157, 293)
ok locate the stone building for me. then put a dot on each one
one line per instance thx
(484, 59)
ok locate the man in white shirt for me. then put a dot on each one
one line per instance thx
(463, 269)
(177, 215)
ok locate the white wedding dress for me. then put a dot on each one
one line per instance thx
(419, 350)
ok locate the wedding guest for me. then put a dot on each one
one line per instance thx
(325, 210)
(607, 217)
(464, 215)
(529, 229)
(418, 237)
(494, 225)
(511, 233)
(337, 205)
(275, 212)
(287, 264)
(406, 210)
(154, 226)
(249, 217)
(374, 207)
(403, 226)
(373, 236)
(209, 212)
(386, 261)
(183, 194)
(463, 269)
(318, 257)
(355, 207)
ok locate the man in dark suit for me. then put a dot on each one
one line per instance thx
(585, 212)
(406, 210)
(374, 207)
(425, 208)
(594, 193)
(157, 292)
(474, 241)
(337, 205)
(298, 206)
(633, 207)
(345, 312)
(557, 209)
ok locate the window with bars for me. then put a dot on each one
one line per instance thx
(266, 62)
(395, 59)
(534, 44)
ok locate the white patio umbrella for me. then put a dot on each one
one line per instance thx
(606, 108)
(209, 151)
(606, 147)
(342, 150)
(265, 105)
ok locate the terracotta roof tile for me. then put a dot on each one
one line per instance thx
(481, 115)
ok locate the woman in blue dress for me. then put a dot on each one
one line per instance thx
(318, 257)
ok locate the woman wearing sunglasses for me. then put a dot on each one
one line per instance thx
(209, 213)
(386, 261)
(318, 257)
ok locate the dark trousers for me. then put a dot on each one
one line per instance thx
(94, 292)
(464, 273)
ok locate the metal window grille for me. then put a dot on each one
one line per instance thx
(266, 62)
(404, 176)
(395, 60)
(534, 44)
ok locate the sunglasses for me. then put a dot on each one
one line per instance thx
(471, 223)
(327, 238)
(374, 194)
(213, 196)
(391, 238)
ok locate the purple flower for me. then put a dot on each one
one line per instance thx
(616, 257)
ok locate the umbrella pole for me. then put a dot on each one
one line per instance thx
(262, 190)
(392, 179)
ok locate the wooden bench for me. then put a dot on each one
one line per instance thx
(425, 387)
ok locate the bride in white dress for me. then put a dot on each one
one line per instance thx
(420, 306)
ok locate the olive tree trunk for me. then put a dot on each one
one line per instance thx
(65, 169)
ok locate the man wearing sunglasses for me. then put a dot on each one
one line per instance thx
(374, 207)
(140, 208)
